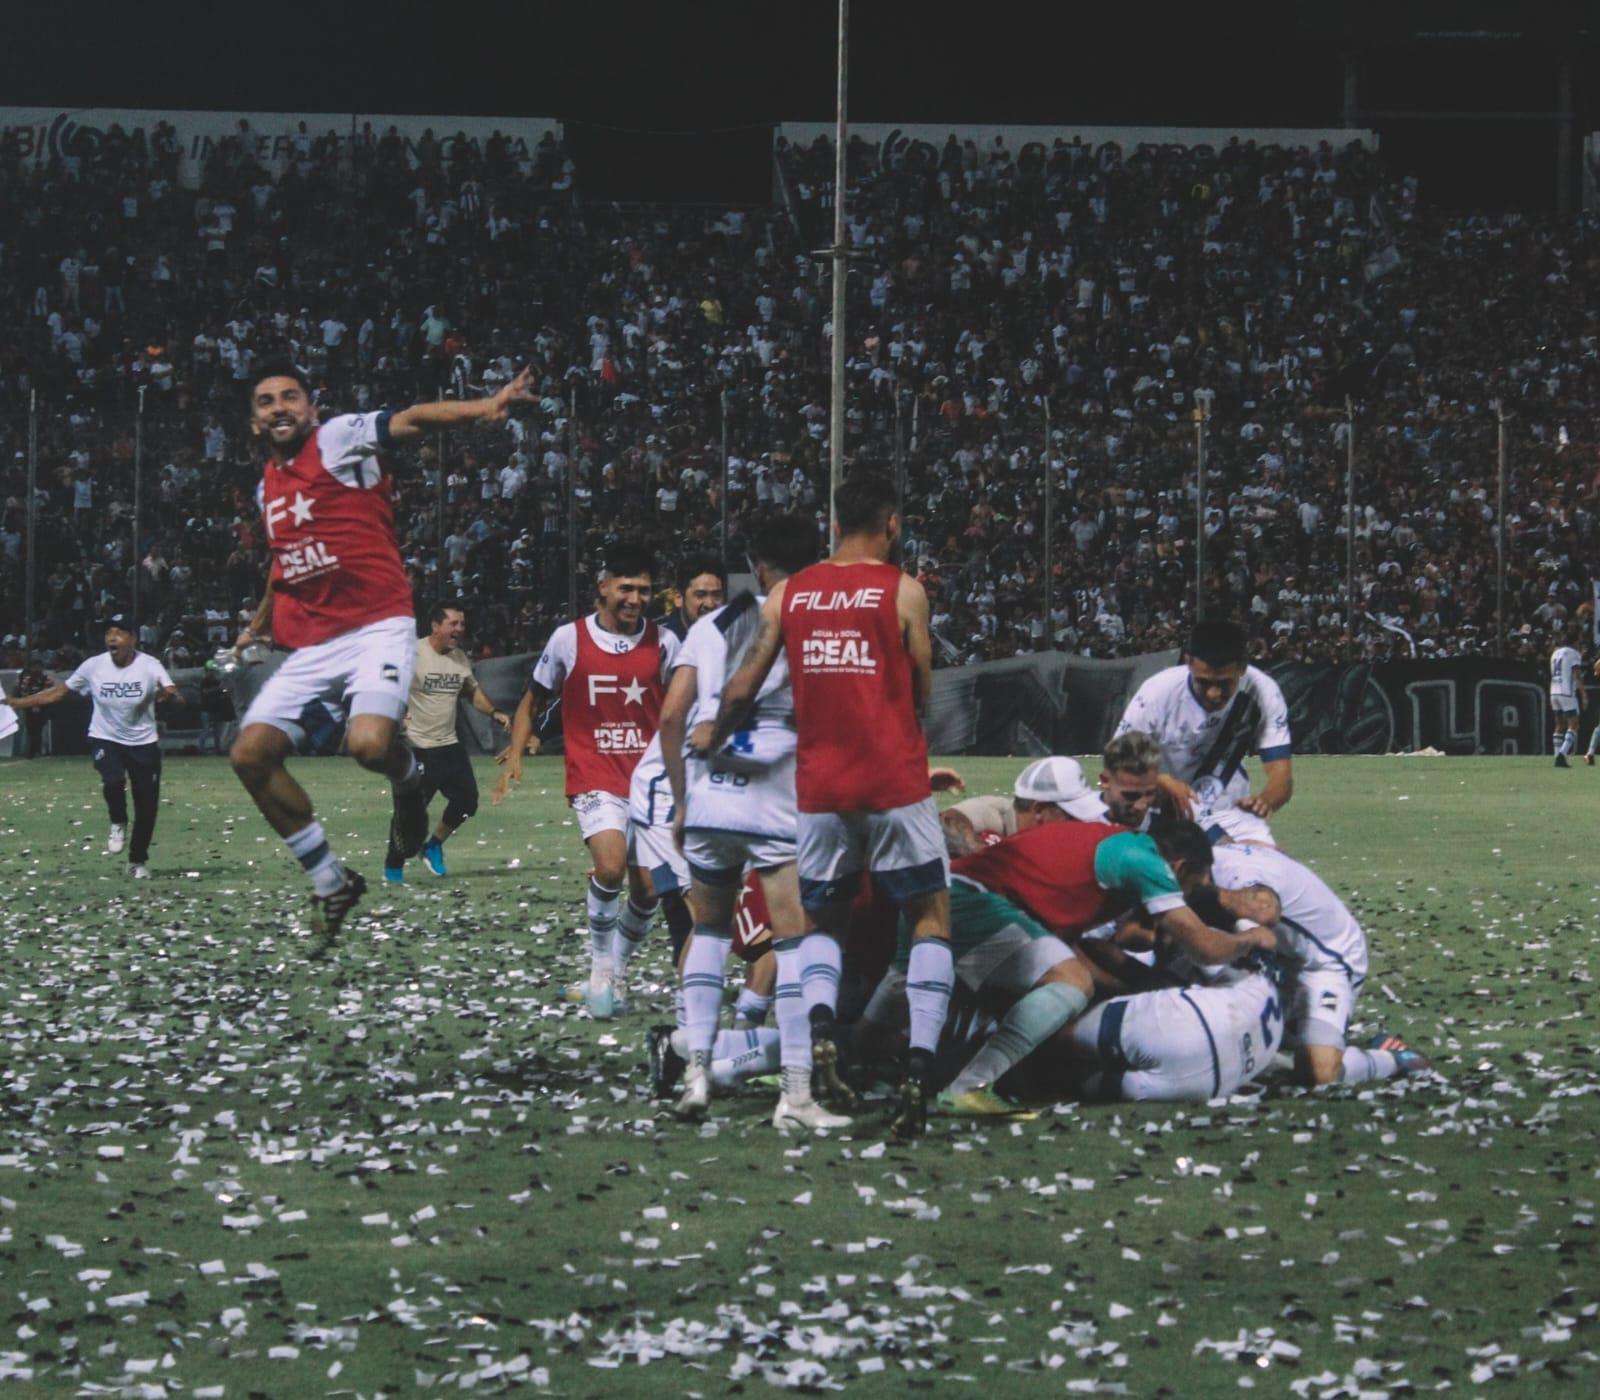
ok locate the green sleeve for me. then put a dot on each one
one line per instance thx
(1129, 864)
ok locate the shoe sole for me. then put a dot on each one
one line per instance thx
(911, 1118)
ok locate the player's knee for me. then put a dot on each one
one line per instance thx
(252, 760)
(610, 874)
(460, 810)
(369, 750)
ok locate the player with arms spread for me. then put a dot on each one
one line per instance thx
(854, 630)
(610, 670)
(125, 685)
(339, 599)
(1209, 714)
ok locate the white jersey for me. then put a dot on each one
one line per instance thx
(1205, 748)
(749, 786)
(560, 653)
(1316, 933)
(1564, 664)
(124, 696)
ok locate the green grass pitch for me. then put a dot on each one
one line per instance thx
(225, 1170)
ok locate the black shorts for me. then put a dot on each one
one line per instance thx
(448, 770)
(115, 762)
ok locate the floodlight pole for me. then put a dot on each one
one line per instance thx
(1500, 530)
(572, 502)
(1202, 417)
(440, 587)
(899, 459)
(722, 403)
(840, 256)
(1049, 534)
(1350, 517)
(33, 507)
(138, 498)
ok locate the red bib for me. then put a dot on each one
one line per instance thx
(610, 704)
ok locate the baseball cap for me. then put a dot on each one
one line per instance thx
(121, 620)
(1061, 781)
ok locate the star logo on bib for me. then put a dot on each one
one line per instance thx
(301, 509)
(633, 693)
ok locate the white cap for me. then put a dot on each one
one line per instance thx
(1061, 781)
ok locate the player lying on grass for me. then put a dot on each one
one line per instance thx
(1326, 950)
(1019, 906)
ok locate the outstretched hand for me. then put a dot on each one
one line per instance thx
(519, 390)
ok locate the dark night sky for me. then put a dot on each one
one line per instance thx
(675, 66)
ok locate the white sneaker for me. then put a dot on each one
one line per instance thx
(138, 872)
(694, 1103)
(805, 1113)
(118, 838)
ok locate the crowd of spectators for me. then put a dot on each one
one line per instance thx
(1012, 312)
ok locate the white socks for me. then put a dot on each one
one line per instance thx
(794, 1025)
(1362, 1066)
(310, 847)
(702, 982)
(929, 978)
(737, 1055)
(602, 907)
(821, 964)
(632, 927)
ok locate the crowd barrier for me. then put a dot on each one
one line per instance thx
(1057, 703)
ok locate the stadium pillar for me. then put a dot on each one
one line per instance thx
(572, 503)
(1500, 530)
(138, 498)
(899, 460)
(33, 509)
(840, 128)
(1049, 533)
(722, 403)
(1350, 517)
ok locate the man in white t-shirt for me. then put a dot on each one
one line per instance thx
(1567, 698)
(124, 686)
(1209, 714)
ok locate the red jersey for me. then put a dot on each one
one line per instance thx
(861, 746)
(329, 515)
(610, 706)
(752, 924)
(1048, 871)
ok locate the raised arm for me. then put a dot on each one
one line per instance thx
(745, 683)
(448, 413)
(38, 700)
(912, 602)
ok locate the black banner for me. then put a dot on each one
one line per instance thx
(1464, 705)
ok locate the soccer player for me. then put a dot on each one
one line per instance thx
(339, 599)
(609, 669)
(124, 686)
(1327, 949)
(1567, 698)
(1209, 714)
(1016, 906)
(737, 812)
(854, 630)
(443, 675)
(702, 588)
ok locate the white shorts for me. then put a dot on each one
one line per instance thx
(1320, 1008)
(1564, 704)
(599, 811)
(651, 848)
(366, 671)
(903, 847)
(722, 857)
(1182, 1044)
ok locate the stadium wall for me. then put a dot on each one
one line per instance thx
(905, 139)
(1059, 703)
(42, 134)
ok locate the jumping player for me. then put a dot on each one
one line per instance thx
(124, 685)
(854, 630)
(339, 599)
(609, 669)
(443, 676)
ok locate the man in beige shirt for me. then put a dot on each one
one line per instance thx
(443, 677)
